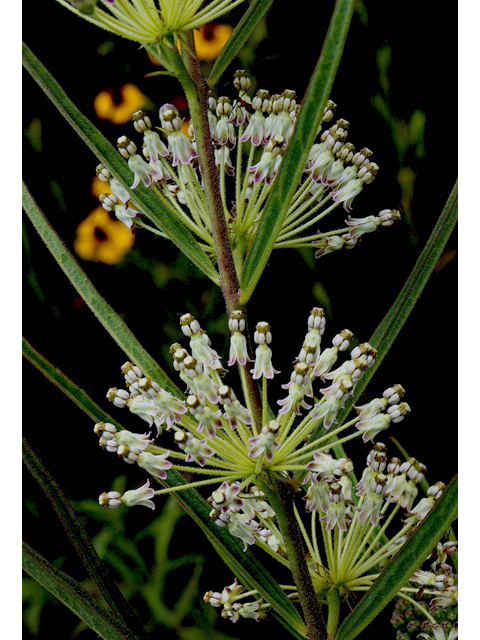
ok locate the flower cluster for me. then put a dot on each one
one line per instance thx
(148, 21)
(220, 436)
(232, 608)
(421, 616)
(250, 136)
(212, 434)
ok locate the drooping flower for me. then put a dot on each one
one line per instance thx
(333, 174)
(239, 453)
(141, 496)
(263, 354)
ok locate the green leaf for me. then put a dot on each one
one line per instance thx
(390, 327)
(142, 198)
(239, 36)
(81, 541)
(68, 387)
(386, 332)
(105, 314)
(293, 164)
(74, 596)
(403, 565)
(244, 565)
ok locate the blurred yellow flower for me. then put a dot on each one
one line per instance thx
(185, 127)
(98, 187)
(102, 239)
(131, 99)
(210, 39)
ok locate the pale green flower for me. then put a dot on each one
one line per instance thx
(147, 21)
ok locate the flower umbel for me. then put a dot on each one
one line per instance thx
(214, 436)
(249, 136)
(147, 21)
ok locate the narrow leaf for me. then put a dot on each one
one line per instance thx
(105, 314)
(403, 565)
(59, 379)
(386, 332)
(77, 534)
(142, 198)
(74, 596)
(293, 163)
(390, 327)
(239, 36)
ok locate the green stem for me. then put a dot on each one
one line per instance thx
(280, 495)
(333, 602)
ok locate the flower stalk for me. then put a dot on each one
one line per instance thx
(280, 495)
(196, 91)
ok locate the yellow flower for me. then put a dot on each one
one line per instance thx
(98, 187)
(210, 39)
(147, 21)
(185, 127)
(121, 111)
(102, 239)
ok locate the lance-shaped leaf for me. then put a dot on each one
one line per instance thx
(403, 565)
(386, 332)
(105, 314)
(74, 596)
(59, 379)
(239, 36)
(304, 134)
(77, 534)
(142, 198)
(244, 565)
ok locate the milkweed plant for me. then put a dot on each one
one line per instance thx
(313, 541)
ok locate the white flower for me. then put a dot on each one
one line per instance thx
(439, 633)
(196, 450)
(154, 145)
(241, 526)
(328, 409)
(263, 363)
(265, 442)
(156, 465)
(201, 349)
(324, 465)
(347, 193)
(238, 349)
(142, 171)
(255, 131)
(139, 496)
(226, 497)
(372, 426)
(362, 225)
(317, 495)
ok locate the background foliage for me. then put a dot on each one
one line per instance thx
(388, 87)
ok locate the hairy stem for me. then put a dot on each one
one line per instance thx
(280, 495)
(333, 602)
(196, 92)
